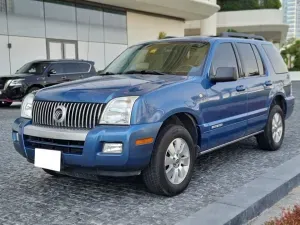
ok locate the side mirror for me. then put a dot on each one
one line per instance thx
(51, 72)
(224, 74)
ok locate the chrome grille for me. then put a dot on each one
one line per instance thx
(78, 115)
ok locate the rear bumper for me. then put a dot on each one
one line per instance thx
(90, 156)
(290, 102)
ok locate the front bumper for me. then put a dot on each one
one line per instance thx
(12, 94)
(91, 157)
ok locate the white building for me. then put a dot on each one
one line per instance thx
(265, 22)
(291, 10)
(97, 30)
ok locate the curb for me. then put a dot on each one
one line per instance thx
(250, 200)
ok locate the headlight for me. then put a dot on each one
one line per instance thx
(118, 111)
(17, 82)
(26, 108)
(7, 83)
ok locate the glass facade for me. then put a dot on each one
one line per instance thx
(59, 29)
(291, 11)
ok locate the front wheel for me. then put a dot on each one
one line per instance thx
(171, 166)
(272, 137)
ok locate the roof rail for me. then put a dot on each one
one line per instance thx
(242, 35)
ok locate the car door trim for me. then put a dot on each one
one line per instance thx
(228, 143)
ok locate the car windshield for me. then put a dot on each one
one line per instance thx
(177, 58)
(36, 68)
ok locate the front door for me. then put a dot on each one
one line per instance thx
(225, 111)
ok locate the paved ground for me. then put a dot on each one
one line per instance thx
(293, 198)
(29, 196)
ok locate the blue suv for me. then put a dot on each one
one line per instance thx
(158, 106)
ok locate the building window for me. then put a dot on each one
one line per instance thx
(62, 49)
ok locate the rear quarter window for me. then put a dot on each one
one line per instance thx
(275, 58)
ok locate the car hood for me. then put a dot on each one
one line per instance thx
(101, 89)
(14, 76)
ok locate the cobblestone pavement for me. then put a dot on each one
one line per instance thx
(29, 196)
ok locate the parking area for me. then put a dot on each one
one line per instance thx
(29, 196)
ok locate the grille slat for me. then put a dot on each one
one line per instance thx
(78, 115)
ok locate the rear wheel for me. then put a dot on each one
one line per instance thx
(272, 137)
(171, 166)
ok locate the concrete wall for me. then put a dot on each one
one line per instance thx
(141, 27)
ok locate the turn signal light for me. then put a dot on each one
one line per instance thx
(144, 141)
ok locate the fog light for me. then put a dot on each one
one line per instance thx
(112, 148)
(15, 136)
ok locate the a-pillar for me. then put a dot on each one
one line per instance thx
(209, 26)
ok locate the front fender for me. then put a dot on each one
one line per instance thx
(159, 105)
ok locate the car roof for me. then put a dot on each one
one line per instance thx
(207, 39)
(63, 61)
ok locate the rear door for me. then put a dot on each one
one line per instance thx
(259, 86)
(77, 70)
(225, 111)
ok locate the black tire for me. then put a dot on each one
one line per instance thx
(265, 140)
(32, 89)
(154, 175)
(52, 173)
(5, 104)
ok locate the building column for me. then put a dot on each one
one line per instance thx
(209, 25)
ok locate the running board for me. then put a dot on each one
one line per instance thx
(228, 143)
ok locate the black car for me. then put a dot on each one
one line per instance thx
(39, 74)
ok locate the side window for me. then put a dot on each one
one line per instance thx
(84, 67)
(58, 67)
(71, 67)
(248, 59)
(259, 60)
(224, 57)
(275, 59)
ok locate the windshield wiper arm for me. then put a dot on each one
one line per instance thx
(144, 72)
(107, 73)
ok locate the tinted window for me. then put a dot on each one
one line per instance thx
(259, 61)
(33, 68)
(58, 67)
(248, 59)
(275, 59)
(224, 57)
(71, 67)
(84, 67)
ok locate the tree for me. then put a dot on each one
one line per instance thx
(232, 30)
(271, 4)
(291, 54)
(162, 35)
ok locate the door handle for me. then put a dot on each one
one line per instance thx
(64, 77)
(268, 83)
(240, 88)
(81, 76)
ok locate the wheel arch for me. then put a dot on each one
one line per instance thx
(279, 99)
(32, 86)
(188, 121)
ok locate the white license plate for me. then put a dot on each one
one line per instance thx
(47, 159)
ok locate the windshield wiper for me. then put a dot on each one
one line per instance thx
(107, 73)
(144, 72)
